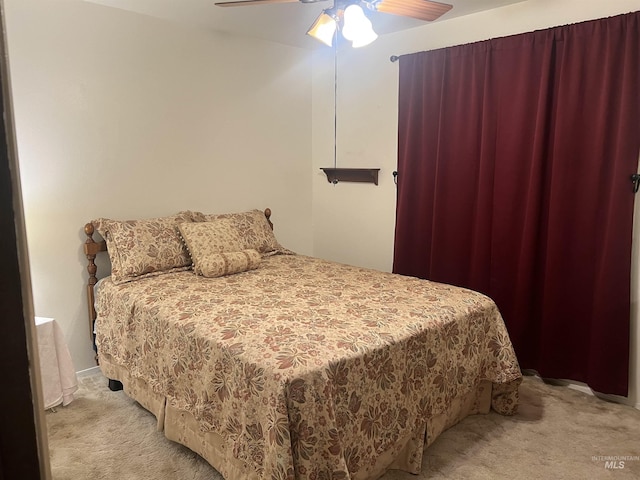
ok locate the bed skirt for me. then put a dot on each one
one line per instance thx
(180, 426)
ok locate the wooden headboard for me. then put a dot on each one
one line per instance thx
(91, 249)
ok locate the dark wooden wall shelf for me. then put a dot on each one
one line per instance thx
(364, 175)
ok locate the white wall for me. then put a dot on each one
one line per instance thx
(125, 116)
(354, 223)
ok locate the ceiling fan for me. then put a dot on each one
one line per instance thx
(349, 18)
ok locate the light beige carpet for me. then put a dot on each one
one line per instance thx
(558, 433)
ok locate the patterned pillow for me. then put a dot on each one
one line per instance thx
(216, 248)
(142, 248)
(216, 236)
(226, 263)
(252, 227)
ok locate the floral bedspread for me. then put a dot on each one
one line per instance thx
(307, 368)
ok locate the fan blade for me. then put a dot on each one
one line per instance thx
(420, 9)
(241, 3)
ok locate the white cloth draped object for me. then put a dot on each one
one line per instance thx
(57, 373)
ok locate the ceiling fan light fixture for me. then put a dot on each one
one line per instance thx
(324, 28)
(356, 27)
(364, 39)
(349, 17)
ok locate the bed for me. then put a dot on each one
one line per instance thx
(274, 365)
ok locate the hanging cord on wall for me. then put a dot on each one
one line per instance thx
(335, 101)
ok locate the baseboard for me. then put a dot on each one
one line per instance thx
(88, 372)
(618, 399)
(584, 388)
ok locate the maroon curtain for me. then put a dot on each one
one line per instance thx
(514, 164)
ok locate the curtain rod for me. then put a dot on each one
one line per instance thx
(394, 58)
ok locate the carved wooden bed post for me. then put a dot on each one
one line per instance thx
(91, 249)
(267, 213)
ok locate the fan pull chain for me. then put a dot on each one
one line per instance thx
(335, 99)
